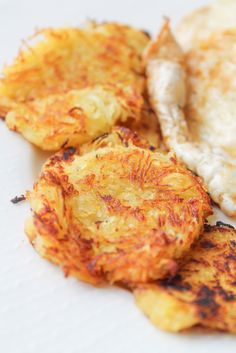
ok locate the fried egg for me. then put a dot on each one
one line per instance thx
(203, 22)
(194, 95)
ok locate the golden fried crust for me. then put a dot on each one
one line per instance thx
(204, 290)
(74, 58)
(73, 118)
(120, 213)
(120, 136)
(98, 66)
(147, 126)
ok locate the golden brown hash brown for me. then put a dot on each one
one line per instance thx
(72, 58)
(204, 290)
(147, 126)
(73, 118)
(120, 136)
(40, 93)
(119, 213)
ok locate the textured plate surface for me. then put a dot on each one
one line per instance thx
(40, 310)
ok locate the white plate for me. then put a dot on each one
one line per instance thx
(40, 310)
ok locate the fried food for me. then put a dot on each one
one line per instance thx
(204, 290)
(116, 210)
(73, 118)
(74, 58)
(147, 127)
(194, 96)
(120, 136)
(50, 78)
(202, 23)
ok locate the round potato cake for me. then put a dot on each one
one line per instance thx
(69, 85)
(119, 213)
(73, 118)
(57, 60)
(204, 290)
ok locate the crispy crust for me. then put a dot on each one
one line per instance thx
(120, 136)
(119, 213)
(147, 126)
(204, 290)
(51, 78)
(73, 118)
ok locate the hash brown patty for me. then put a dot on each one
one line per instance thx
(117, 212)
(204, 290)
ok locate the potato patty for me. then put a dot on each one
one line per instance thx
(204, 290)
(119, 213)
(39, 85)
(120, 136)
(147, 126)
(72, 118)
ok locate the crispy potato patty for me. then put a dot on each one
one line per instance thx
(204, 290)
(147, 126)
(72, 118)
(119, 213)
(62, 71)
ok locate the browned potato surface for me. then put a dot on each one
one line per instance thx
(204, 290)
(116, 211)
(70, 85)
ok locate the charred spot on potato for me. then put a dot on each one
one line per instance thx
(70, 151)
(210, 299)
(207, 227)
(207, 244)
(231, 256)
(228, 296)
(176, 283)
(152, 148)
(101, 137)
(222, 224)
(233, 243)
(206, 298)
